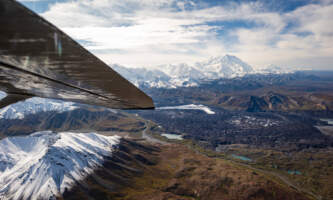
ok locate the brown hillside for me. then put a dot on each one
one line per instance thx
(173, 171)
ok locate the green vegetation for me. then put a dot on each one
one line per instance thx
(314, 167)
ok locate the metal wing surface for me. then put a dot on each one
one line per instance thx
(37, 59)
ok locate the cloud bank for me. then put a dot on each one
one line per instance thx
(153, 32)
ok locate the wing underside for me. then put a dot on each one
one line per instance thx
(37, 59)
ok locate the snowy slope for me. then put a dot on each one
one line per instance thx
(34, 105)
(45, 164)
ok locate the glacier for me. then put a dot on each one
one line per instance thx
(46, 164)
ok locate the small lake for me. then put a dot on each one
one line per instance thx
(329, 121)
(172, 136)
(241, 157)
(294, 172)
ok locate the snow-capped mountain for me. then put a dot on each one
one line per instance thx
(45, 164)
(224, 67)
(34, 105)
(183, 75)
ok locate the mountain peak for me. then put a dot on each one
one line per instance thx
(45, 164)
(227, 66)
(231, 57)
(224, 58)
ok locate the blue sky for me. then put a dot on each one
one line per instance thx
(290, 33)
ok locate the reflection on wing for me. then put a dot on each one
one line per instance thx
(37, 59)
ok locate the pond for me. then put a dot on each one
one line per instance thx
(241, 157)
(294, 172)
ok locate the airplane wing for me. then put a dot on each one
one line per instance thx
(38, 59)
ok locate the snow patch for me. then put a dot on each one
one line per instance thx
(45, 164)
(172, 136)
(188, 107)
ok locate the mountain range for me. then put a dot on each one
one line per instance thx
(184, 75)
(163, 76)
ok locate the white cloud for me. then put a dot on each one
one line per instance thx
(153, 32)
(307, 44)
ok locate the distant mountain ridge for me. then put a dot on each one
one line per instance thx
(184, 75)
